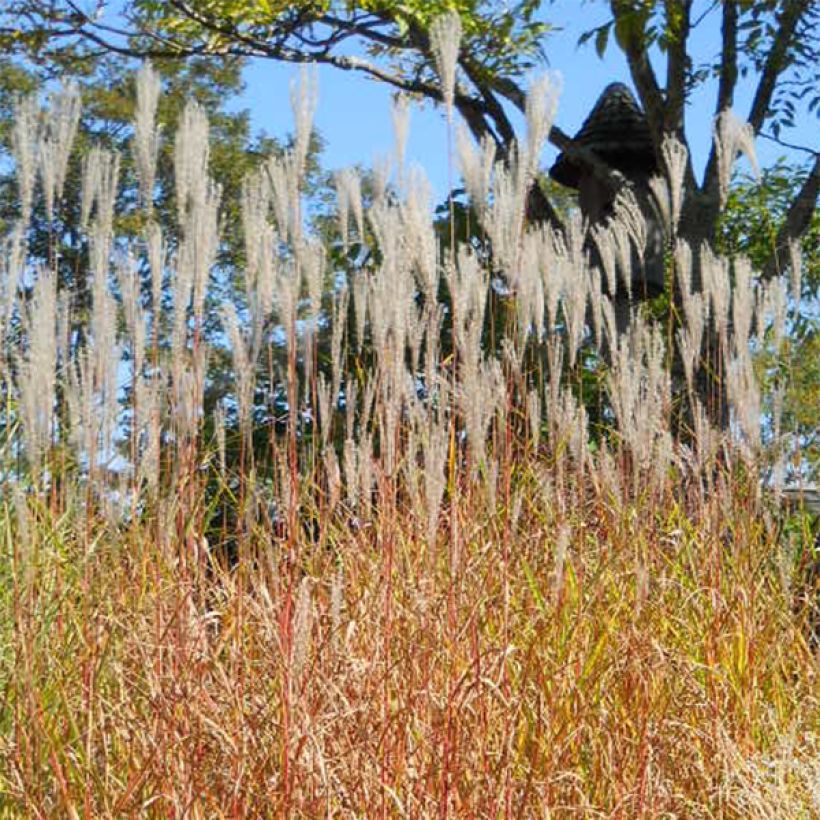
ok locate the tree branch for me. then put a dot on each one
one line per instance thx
(776, 60)
(503, 126)
(678, 21)
(728, 57)
(797, 222)
(643, 75)
(726, 85)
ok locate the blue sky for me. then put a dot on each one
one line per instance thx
(354, 112)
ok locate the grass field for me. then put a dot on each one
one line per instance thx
(448, 586)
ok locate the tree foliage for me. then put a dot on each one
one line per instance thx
(770, 42)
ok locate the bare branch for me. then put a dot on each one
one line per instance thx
(793, 146)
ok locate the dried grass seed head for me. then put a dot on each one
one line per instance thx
(732, 137)
(24, 140)
(304, 96)
(146, 132)
(445, 42)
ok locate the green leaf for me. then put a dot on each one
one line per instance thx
(602, 39)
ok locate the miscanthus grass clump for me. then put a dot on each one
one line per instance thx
(439, 577)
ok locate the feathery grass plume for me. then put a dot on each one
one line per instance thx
(476, 164)
(285, 180)
(400, 114)
(777, 305)
(659, 199)
(611, 332)
(128, 278)
(259, 242)
(569, 425)
(105, 349)
(287, 299)
(391, 297)
(37, 374)
(101, 172)
(12, 262)
(280, 179)
(574, 307)
(554, 270)
(555, 366)
(202, 244)
(341, 302)
(606, 250)
(795, 269)
(311, 262)
(82, 407)
(146, 133)
(182, 282)
(595, 304)
(361, 291)
(304, 95)
(640, 390)
(244, 370)
(622, 245)
(433, 318)
(24, 142)
(191, 158)
(57, 137)
(419, 233)
(445, 41)
(468, 280)
(506, 217)
(481, 394)
(779, 463)
(716, 284)
(675, 159)
(541, 108)
(530, 290)
(349, 199)
(151, 397)
(628, 212)
(744, 398)
(90, 185)
(380, 178)
(743, 302)
(732, 137)
(683, 271)
(435, 449)
(690, 337)
(155, 247)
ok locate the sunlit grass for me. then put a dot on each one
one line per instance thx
(469, 600)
